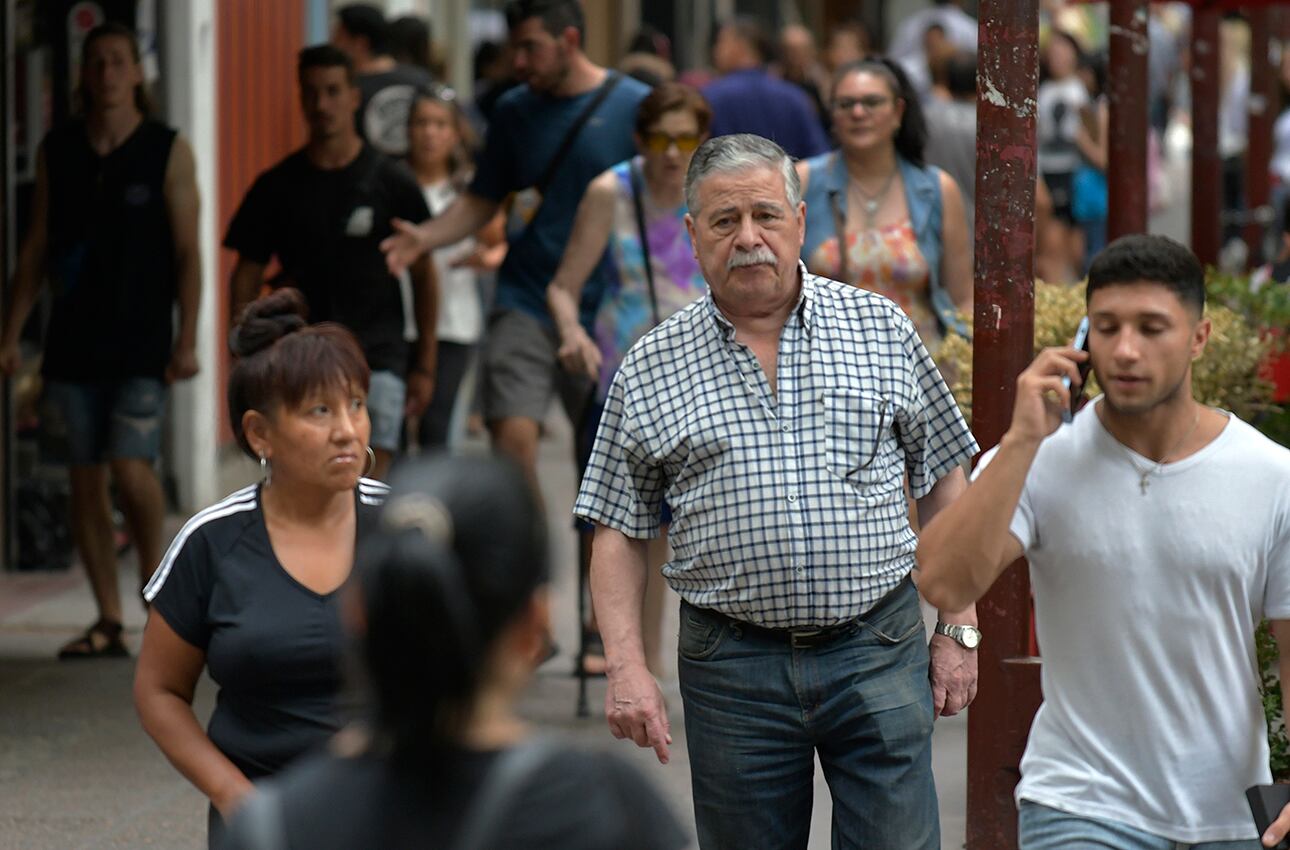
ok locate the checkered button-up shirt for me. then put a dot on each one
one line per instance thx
(788, 507)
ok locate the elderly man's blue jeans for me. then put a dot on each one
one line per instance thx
(757, 711)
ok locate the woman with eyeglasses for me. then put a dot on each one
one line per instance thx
(440, 154)
(448, 615)
(636, 210)
(248, 589)
(877, 215)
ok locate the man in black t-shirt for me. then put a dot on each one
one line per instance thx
(114, 229)
(322, 212)
(362, 32)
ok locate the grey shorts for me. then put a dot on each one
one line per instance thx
(92, 423)
(521, 373)
(385, 399)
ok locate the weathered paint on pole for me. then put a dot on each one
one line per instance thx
(1206, 165)
(1127, 139)
(1258, 153)
(1004, 319)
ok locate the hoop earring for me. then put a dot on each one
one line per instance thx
(266, 471)
(371, 462)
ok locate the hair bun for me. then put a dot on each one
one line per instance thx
(268, 319)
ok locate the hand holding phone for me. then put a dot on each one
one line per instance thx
(1081, 343)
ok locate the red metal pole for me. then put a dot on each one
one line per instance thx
(1258, 153)
(1008, 692)
(1127, 143)
(1206, 165)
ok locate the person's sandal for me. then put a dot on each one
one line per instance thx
(101, 640)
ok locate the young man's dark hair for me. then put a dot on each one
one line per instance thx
(556, 15)
(410, 38)
(325, 56)
(364, 20)
(113, 29)
(1155, 259)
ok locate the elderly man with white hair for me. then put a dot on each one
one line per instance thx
(783, 418)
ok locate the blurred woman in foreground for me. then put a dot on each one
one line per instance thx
(449, 615)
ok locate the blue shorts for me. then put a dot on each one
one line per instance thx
(385, 398)
(93, 423)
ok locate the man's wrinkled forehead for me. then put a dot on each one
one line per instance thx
(742, 188)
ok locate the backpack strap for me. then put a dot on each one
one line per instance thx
(638, 203)
(566, 144)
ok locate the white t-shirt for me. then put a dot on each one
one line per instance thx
(461, 313)
(1057, 124)
(1145, 610)
(1281, 153)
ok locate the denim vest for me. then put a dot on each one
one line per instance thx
(828, 179)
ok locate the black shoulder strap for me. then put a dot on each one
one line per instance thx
(508, 776)
(637, 189)
(566, 144)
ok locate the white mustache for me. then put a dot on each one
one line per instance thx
(758, 257)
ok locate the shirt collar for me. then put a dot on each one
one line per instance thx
(803, 312)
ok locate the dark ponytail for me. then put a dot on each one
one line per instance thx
(460, 551)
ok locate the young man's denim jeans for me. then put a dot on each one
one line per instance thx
(1044, 828)
(757, 711)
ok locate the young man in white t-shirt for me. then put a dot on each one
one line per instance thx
(1158, 535)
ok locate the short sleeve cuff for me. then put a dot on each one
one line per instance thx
(922, 480)
(197, 637)
(633, 521)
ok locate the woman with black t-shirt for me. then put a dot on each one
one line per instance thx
(449, 611)
(249, 587)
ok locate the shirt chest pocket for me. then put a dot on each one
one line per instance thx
(858, 441)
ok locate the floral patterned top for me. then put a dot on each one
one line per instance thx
(625, 313)
(885, 260)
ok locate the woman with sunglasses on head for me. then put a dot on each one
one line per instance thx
(636, 210)
(449, 614)
(440, 145)
(248, 588)
(879, 217)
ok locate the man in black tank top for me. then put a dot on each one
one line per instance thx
(114, 228)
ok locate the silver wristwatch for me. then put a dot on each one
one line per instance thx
(968, 637)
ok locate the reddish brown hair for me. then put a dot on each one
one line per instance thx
(669, 97)
(281, 359)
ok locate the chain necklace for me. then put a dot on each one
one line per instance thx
(873, 202)
(1144, 475)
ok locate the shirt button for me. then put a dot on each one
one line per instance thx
(785, 428)
(792, 497)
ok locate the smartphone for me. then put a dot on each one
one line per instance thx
(1080, 342)
(1266, 803)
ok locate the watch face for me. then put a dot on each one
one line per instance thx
(970, 637)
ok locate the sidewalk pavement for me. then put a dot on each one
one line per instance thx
(78, 773)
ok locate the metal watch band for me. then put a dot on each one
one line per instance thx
(958, 633)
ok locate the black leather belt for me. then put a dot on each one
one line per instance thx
(803, 638)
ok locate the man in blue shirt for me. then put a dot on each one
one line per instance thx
(568, 111)
(746, 99)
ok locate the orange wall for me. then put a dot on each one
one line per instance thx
(259, 116)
